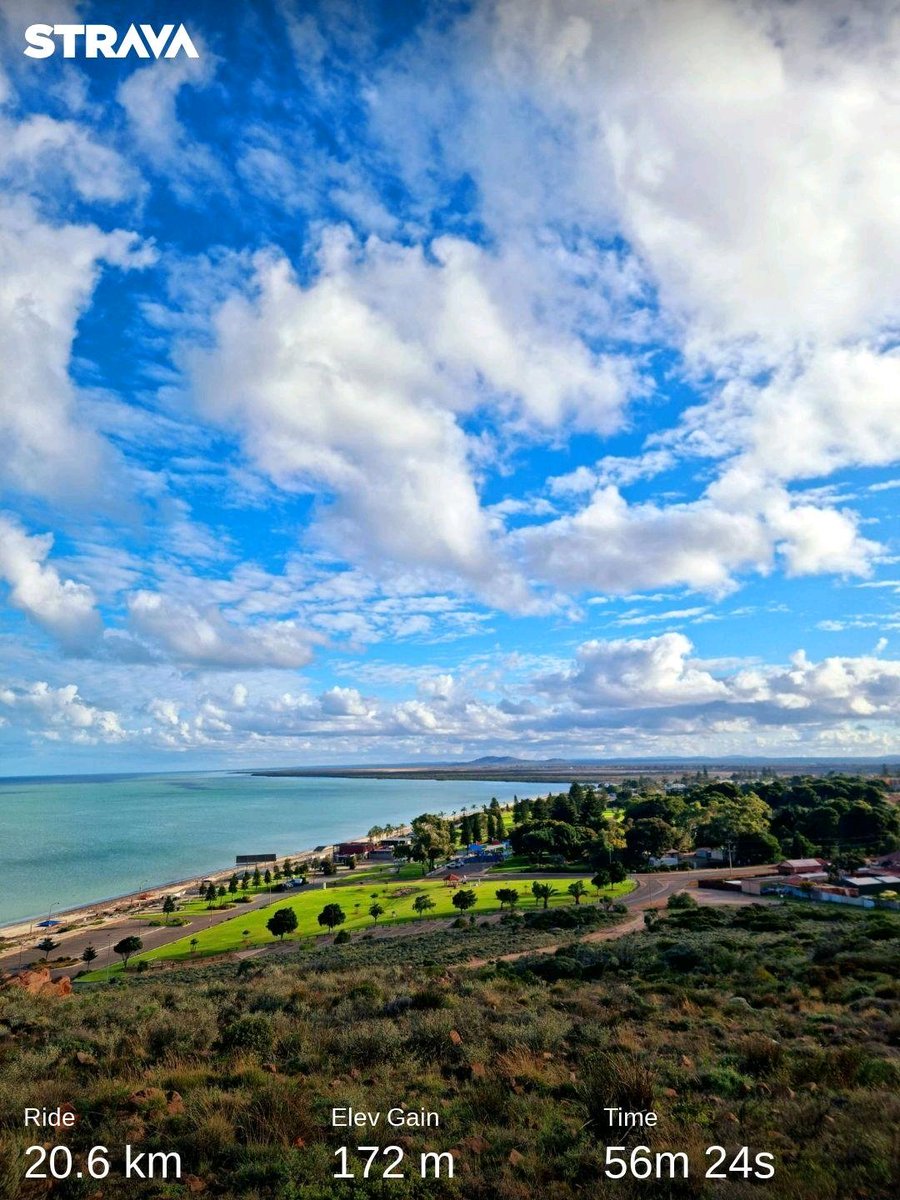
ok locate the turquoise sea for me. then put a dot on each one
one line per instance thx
(69, 841)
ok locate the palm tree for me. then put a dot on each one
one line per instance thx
(577, 890)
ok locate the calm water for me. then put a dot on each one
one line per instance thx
(68, 842)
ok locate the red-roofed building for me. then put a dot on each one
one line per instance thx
(801, 866)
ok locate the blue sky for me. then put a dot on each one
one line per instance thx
(406, 381)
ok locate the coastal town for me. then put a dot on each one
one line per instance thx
(594, 844)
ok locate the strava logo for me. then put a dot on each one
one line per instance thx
(102, 41)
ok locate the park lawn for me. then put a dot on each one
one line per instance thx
(355, 901)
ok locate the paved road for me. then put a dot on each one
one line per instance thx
(651, 889)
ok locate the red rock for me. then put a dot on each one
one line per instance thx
(194, 1184)
(38, 983)
(147, 1095)
(455, 1037)
(476, 1144)
(515, 1157)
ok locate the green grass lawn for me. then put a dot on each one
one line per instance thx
(396, 898)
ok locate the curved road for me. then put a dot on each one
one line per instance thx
(652, 890)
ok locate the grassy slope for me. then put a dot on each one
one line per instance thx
(771, 1028)
(396, 898)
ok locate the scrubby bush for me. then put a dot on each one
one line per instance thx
(252, 1032)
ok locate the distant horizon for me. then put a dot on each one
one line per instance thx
(499, 760)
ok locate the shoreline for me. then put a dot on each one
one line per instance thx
(114, 908)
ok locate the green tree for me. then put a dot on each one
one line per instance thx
(730, 817)
(282, 921)
(648, 837)
(601, 880)
(169, 906)
(508, 897)
(577, 890)
(210, 895)
(464, 899)
(88, 955)
(753, 848)
(126, 947)
(195, 942)
(332, 915)
(45, 945)
(257, 878)
(422, 904)
(376, 910)
(233, 884)
(543, 891)
(430, 839)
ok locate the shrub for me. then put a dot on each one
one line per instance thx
(725, 1081)
(614, 1080)
(683, 957)
(252, 1032)
(759, 1055)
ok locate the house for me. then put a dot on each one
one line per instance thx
(758, 885)
(381, 854)
(357, 849)
(704, 855)
(870, 885)
(668, 858)
(800, 866)
(496, 849)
